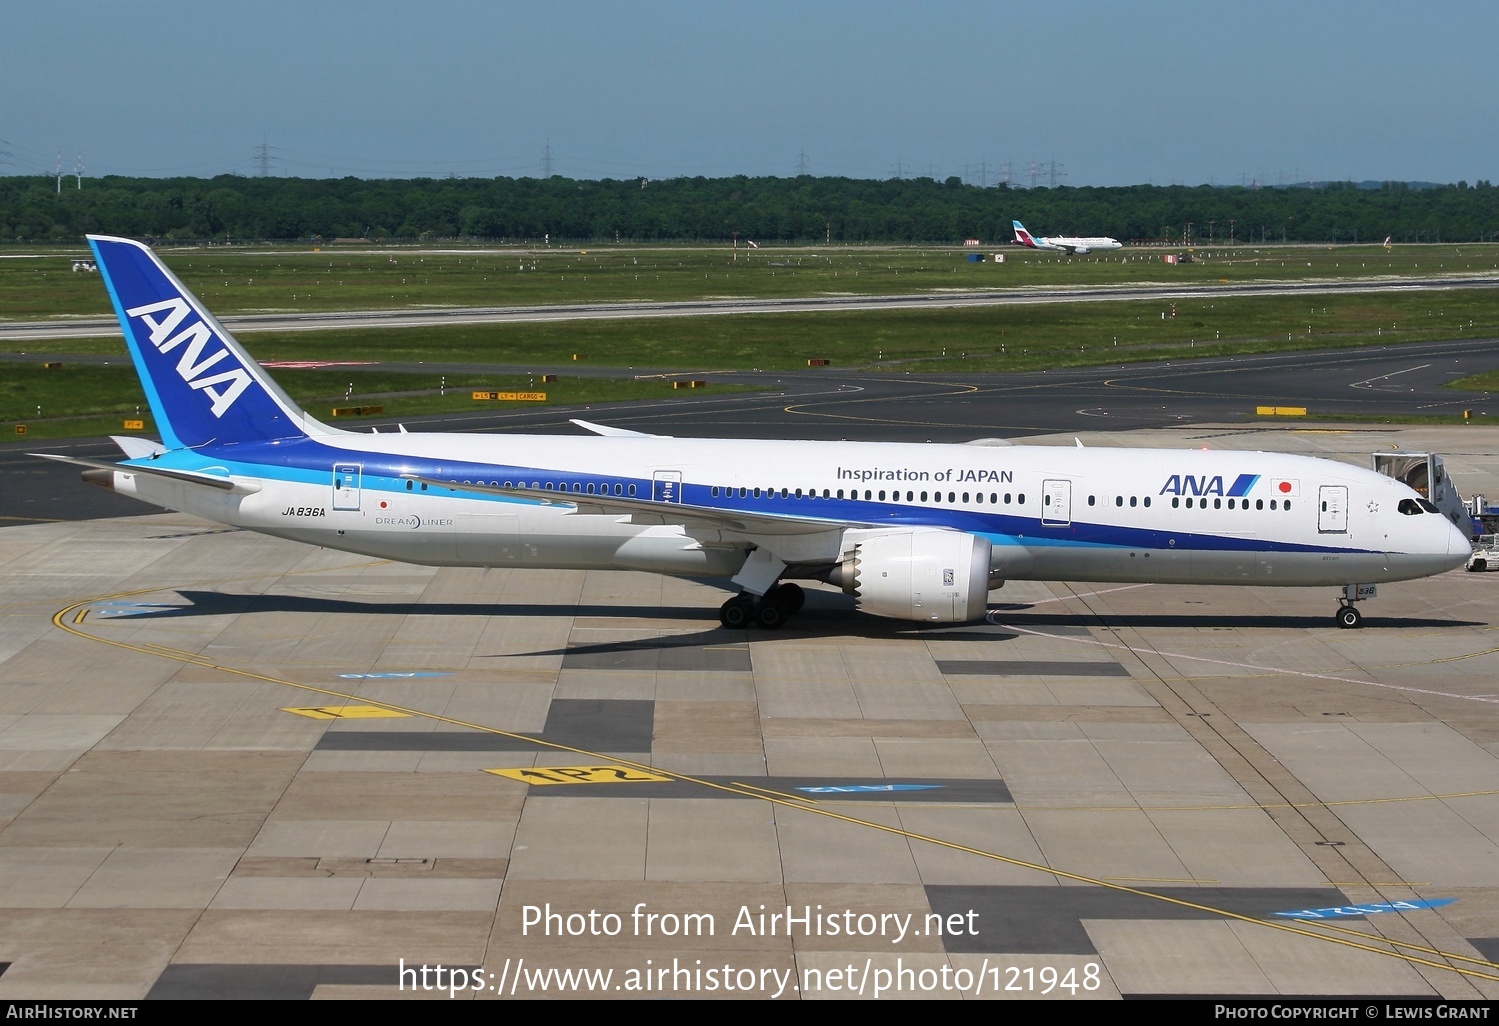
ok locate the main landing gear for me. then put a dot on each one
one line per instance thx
(1348, 614)
(770, 610)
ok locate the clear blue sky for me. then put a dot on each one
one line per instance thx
(1114, 93)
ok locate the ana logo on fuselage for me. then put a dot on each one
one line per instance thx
(1193, 484)
(223, 387)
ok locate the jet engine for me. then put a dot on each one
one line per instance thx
(932, 575)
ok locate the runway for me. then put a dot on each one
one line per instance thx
(94, 327)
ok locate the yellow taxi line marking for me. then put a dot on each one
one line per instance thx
(1389, 948)
(779, 794)
(342, 712)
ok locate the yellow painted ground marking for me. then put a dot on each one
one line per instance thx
(81, 614)
(580, 775)
(343, 712)
(1378, 945)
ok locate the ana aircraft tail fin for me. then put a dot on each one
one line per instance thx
(201, 384)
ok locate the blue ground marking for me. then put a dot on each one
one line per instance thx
(393, 676)
(1344, 911)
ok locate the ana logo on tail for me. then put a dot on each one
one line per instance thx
(224, 387)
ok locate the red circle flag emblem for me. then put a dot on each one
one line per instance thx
(1285, 487)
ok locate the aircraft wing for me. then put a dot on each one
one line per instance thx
(189, 476)
(647, 511)
(613, 432)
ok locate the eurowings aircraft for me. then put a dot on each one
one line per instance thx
(1062, 244)
(914, 531)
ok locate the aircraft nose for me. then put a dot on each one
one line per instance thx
(1459, 548)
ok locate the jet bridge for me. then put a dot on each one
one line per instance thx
(1424, 473)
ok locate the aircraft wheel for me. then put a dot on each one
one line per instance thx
(1349, 616)
(737, 613)
(790, 596)
(1478, 566)
(772, 613)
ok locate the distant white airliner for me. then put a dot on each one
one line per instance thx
(913, 531)
(1063, 244)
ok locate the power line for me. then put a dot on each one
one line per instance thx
(263, 160)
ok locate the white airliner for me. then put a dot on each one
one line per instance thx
(913, 531)
(1063, 244)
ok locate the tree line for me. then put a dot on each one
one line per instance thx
(794, 210)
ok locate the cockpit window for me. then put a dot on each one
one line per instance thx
(1428, 506)
(1415, 507)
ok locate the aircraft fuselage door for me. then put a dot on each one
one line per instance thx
(666, 486)
(1332, 509)
(1056, 503)
(346, 485)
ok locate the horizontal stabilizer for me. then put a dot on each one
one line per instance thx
(188, 476)
(138, 448)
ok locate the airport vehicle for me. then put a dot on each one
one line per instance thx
(1064, 244)
(914, 531)
(1485, 555)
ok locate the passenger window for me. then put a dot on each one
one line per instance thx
(1175, 502)
(1217, 503)
(1147, 502)
(1090, 500)
(1119, 500)
(1132, 501)
(923, 496)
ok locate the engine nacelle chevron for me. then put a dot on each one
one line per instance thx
(932, 575)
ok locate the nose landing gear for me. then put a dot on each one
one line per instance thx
(770, 610)
(1348, 614)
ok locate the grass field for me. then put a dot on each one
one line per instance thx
(949, 341)
(969, 339)
(259, 279)
(83, 400)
